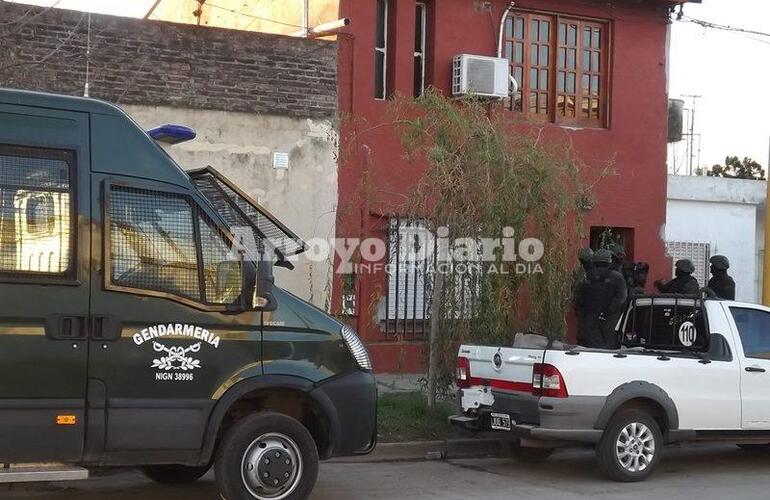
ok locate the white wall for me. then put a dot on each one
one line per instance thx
(723, 213)
(241, 145)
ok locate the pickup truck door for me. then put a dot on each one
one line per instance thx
(751, 325)
(44, 277)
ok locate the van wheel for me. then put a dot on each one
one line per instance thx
(267, 456)
(529, 455)
(174, 474)
(630, 447)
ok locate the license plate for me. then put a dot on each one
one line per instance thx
(500, 421)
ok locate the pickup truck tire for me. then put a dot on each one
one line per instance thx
(631, 446)
(528, 455)
(174, 474)
(267, 456)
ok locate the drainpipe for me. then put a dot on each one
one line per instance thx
(502, 28)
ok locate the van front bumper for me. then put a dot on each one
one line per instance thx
(354, 398)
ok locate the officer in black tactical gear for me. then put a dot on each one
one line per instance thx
(684, 283)
(600, 303)
(618, 257)
(721, 283)
(580, 278)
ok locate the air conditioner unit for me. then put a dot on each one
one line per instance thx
(481, 76)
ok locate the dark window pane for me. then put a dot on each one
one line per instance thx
(572, 35)
(585, 108)
(517, 102)
(570, 83)
(509, 28)
(532, 103)
(418, 28)
(571, 56)
(561, 77)
(418, 76)
(379, 74)
(754, 329)
(544, 59)
(534, 30)
(518, 75)
(586, 60)
(586, 82)
(586, 38)
(533, 79)
(533, 50)
(542, 104)
(570, 106)
(562, 34)
(509, 50)
(597, 39)
(561, 105)
(519, 53)
(518, 27)
(595, 85)
(562, 62)
(381, 21)
(543, 79)
(595, 108)
(545, 31)
(595, 64)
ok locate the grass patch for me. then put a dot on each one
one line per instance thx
(405, 417)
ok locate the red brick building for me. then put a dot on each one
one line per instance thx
(595, 70)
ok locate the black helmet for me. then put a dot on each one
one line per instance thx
(585, 255)
(603, 256)
(617, 250)
(686, 266)
(720, 262)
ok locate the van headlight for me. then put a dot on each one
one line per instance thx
(357, 348)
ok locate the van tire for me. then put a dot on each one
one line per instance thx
(528, 455)
(243, 459)
(645, 445)
(174, 474)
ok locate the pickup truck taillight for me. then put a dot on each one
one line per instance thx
(463, 373)
(548, 382)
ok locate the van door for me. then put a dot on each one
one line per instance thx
(752, 327)
(164, 347)
(44, 279)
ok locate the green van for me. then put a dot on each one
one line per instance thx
(137, 328)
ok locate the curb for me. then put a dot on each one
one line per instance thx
(429, 450)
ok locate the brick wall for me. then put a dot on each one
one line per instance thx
(158, 63)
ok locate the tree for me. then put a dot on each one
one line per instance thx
(486, 176)
(738, 169)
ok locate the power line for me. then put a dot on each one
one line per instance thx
(723, 27)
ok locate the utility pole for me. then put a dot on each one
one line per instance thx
(765, 257)
(305, 18)
(691, 139)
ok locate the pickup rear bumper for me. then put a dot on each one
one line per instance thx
(571, 419)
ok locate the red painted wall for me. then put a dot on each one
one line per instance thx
(635, 141)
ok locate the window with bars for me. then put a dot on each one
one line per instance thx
(381, 51)
(163, 242)
(561, 66)
(698, 252)
(36, 213)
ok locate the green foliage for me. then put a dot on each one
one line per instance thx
(406, 417)
(735, 168)
(485, 173)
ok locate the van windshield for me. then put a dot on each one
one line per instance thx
(252, 225)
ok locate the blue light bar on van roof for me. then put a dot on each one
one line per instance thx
(172, 134)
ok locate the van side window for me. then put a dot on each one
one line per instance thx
(162, 242)
(754, 329)
(36, 213)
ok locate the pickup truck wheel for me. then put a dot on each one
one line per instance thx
(529, 455)
(174, 474)
(267, 456)
(630, 447)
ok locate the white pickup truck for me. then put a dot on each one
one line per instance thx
(689, 369)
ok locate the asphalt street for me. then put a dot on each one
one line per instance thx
(706, 472)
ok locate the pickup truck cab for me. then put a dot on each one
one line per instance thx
(137, 328)
(689, 369)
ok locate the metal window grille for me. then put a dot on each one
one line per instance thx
(241, 212)
(699, 253)
(36, 213)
